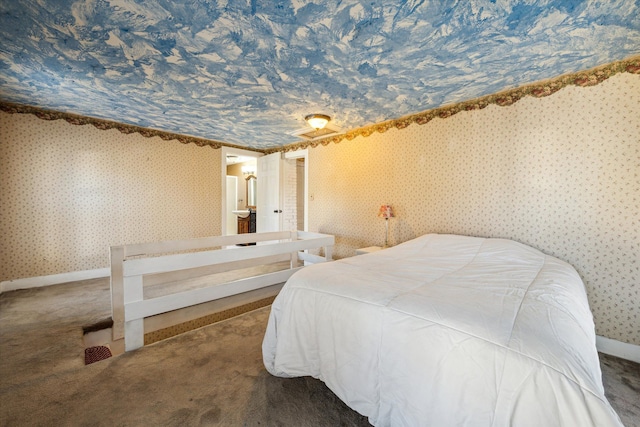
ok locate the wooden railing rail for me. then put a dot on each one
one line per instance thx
(184, 258)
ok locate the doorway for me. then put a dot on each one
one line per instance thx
(301, 192)
(301, 158)
(240, 164)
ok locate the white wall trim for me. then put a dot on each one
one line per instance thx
(604, 345)
(303, 154)
(54, 279)
(619, 349)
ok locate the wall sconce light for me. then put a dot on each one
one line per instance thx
(386, 212)
(317, 121)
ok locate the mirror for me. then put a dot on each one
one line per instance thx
(251, 191)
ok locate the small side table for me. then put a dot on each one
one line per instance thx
(368, 250)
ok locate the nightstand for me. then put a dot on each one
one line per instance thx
(368, 250)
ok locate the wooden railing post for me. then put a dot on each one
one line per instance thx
(328, 253)
(133, 329)
(294, 255)
(117, 291)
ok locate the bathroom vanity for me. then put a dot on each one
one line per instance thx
(247, 224)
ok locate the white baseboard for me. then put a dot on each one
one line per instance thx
(619, 349)
(604, 345)
(54, 279)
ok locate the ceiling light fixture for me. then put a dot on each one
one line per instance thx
(317, 121)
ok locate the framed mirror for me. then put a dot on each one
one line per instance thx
(251, 191)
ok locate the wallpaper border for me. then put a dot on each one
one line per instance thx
(505, 98)
(102, 124)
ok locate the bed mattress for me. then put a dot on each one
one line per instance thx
(445, 330)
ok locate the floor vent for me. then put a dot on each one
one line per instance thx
(96, 354)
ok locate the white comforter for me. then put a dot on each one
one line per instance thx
(445, 331)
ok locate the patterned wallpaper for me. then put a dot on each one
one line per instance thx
(560, 173)
(69, 192)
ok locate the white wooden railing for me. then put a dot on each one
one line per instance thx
(130, 263)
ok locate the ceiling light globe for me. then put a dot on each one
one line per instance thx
(317, 121)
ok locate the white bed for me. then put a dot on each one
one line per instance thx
(445, 330)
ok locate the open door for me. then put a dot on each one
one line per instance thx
(268, 207)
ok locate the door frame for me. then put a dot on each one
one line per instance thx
(223, 180)
(303, 154)
(267, 212)
(228, 200)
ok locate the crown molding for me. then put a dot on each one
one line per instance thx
(505, 98)
(75, 119)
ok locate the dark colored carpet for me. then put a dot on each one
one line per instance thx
(211, 376)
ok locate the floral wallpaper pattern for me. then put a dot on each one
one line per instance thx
(559, 173)
(69, 192)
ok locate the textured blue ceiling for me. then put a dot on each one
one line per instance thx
(247, 72)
